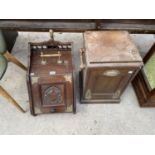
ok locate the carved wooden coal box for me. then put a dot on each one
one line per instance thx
(144, 82)
(109, 61)
(50, 78)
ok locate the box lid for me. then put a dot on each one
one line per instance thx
(48, 60)
(110, 47)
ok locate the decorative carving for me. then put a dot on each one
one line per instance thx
(52, 96)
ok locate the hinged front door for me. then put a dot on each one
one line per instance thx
(53, 93)
(106, 83)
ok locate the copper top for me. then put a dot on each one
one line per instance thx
(110, 46)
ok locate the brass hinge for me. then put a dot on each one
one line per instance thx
(34, 80)
(69, 108)
(88, 94)
(68, 77)
(116, 94)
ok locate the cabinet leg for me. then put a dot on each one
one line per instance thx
(32, 111)
(7, 96)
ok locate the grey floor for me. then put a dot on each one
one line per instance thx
(124, 118)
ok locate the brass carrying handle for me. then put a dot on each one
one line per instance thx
(111, 73)
(43, 56)
(50, 55)
(81, 58)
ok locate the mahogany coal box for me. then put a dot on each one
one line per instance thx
(109, 61)
(50, 78)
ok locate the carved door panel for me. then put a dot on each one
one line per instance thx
(49, 94)
(53, 95)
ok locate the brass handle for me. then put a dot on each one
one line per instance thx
(50, 55)
(81, 59)
(111, 73)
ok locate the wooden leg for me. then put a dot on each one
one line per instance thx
(14, 60)
(7, 96)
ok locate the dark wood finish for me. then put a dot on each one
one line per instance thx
(50, 78)
(146, 97)
(105, 76)
(80, 25)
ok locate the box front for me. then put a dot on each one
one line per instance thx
(106, 84)
(52, 94)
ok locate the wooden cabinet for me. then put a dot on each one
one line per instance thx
(109, 61)
(50, 78)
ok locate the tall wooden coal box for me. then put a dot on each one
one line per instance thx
(50, 78)
(109, 61)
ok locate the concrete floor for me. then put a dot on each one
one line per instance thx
(124, 118)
